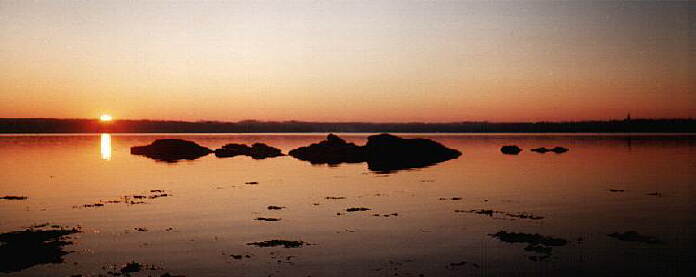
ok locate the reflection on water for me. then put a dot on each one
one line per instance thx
(105, 146)
(475, 215)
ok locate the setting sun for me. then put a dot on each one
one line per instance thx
(105, 117)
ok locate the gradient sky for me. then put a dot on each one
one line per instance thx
(346, 61)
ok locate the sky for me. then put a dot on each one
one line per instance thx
(378, 61)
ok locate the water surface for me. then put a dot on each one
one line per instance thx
(210, 210)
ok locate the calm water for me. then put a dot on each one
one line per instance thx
(209, 214)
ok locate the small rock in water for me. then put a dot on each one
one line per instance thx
(510, 150)
(13, 197)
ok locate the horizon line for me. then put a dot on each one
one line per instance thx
(349, 122)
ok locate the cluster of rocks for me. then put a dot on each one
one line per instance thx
(173, 150)
(383, 153)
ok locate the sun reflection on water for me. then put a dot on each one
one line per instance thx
(106, 146)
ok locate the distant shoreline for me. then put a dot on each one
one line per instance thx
(80, 126)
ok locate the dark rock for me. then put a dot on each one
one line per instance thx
(171, 150)
(275, 207)
(23, 249)
(256, 151)
(557, 150)
(131, 268)
(386, 153)
(510, 149)
(13, 197)
(633, 236)
(383, 153)
(267, 219)
(333, 150)
(616, 190)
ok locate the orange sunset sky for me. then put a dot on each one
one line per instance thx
(346, 61)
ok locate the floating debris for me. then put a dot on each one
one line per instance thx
(386, 215)
(492, 212)
(252, 183)
(616, 190)
(525, 216)
(239, 257)
(128, 199)
(23, 249)
(535, 242)
(158, 196)
(451, 198)
(633, 236)
(140, 229)
(481, 211)
(13, 197)
(267, 219)
(357, 209)
(276, 242)
(334, 197)
(93, 205)
(654, 194)
(453, 266)
(514, 237)
(275, 207)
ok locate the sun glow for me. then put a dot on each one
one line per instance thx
(105, 117)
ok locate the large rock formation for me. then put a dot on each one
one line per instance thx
(383, 153)
(333, 150)
(386, 152)
(171, 150)
(256, 151)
